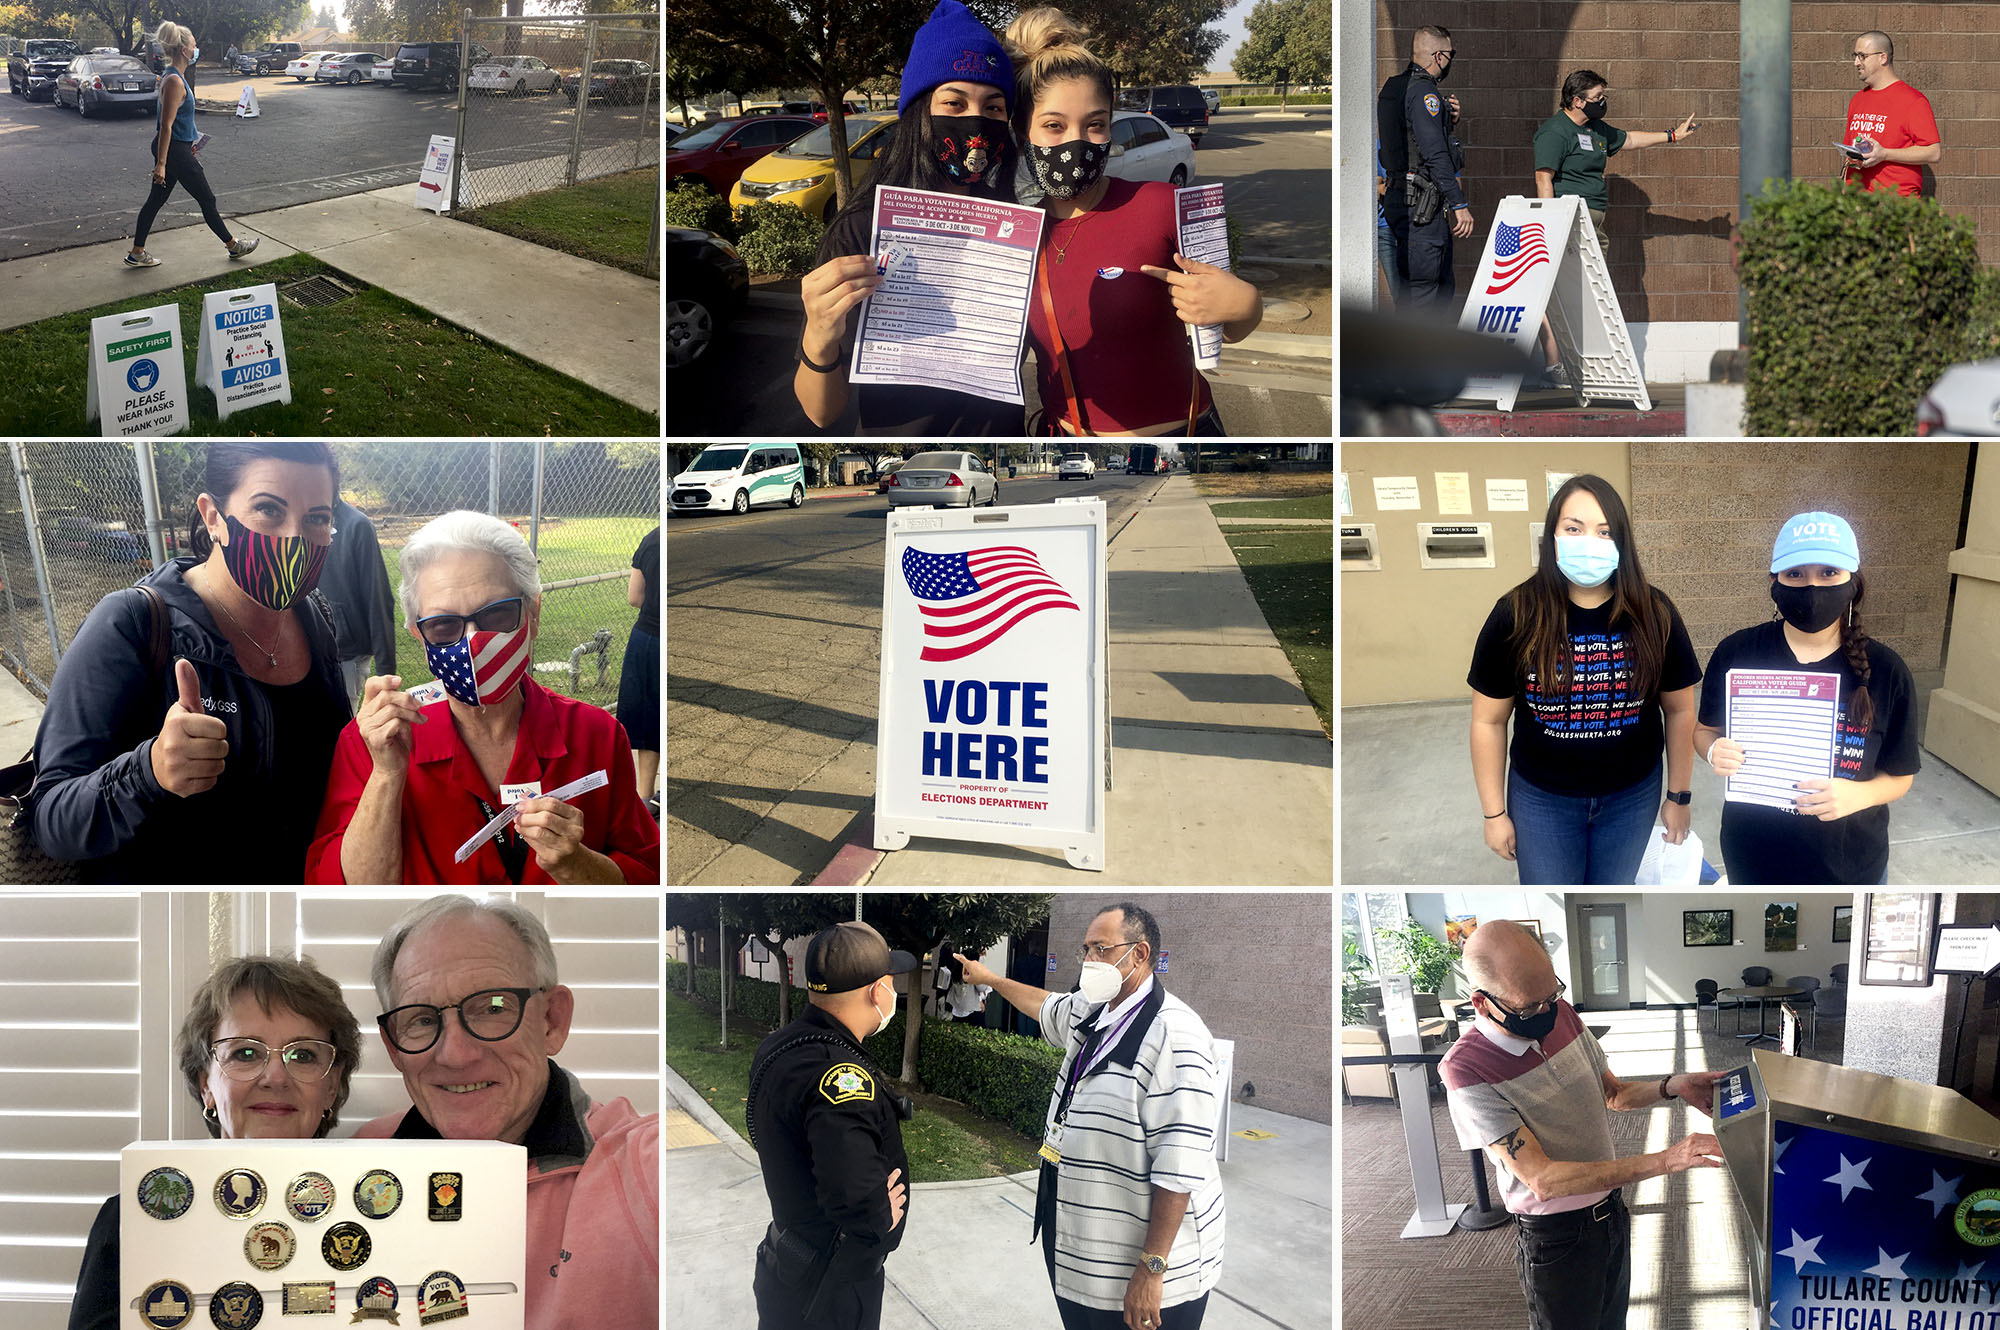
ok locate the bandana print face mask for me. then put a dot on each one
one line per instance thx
(482, 668)
(1068, 169)
(274, 571)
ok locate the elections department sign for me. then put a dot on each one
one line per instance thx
(995, 704)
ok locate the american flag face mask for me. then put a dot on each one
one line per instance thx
(482, 668)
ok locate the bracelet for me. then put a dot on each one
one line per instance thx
(810, 364)
(1490, 816)
(1665, 1093)
(1671, 138)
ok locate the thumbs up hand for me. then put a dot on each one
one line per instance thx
(189, 753)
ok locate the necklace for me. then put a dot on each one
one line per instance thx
(1063, 248)
(269, 654)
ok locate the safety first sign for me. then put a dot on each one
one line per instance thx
(241, 353)
(138, 381)
(995, 703)
(434, 181)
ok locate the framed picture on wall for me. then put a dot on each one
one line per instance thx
(1896, 938)
(1781, 926)
(1708, 928)
(1843, 924)
(1532, 925)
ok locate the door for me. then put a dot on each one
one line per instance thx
(1604, 983)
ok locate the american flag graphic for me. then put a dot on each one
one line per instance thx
(976, 597)
(1515, 250)
(479, 668)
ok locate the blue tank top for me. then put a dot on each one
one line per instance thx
(184, 115)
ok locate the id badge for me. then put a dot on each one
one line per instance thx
(1052, 1145)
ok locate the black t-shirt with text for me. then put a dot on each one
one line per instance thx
(1771, 847)
(1598, 738)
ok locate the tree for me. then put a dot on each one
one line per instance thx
(918, 923)
(1172, 45)
(788, 916)
(1286, 41)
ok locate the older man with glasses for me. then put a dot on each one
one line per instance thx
(1531, 1086)
(472, 1017)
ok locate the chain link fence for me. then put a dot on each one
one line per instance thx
(549, 100)
(81, 520)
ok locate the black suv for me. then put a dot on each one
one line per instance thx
(270, 58)
(32, 70)
(1181, 105)
(432, 64)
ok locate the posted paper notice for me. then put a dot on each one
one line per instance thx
(952, 310)
(1454, 492)
(1786, 722)
(1394, 493)
(1203, 232)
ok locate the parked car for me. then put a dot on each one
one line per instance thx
(718, 153)
(82, 538)
(351, 67)
(1212, 99)
(672, 131)
(1079, 465)
(270, 58)
(516, 75)
(433, 65)
(801, 172)
(617, 82)
(1180, 105)
(33, 70)
(1143, 148)
(734, 477)
(94, 84)
(943, 480)
(707, 284)
(886, 470)
(306, 67)
(1963, 404)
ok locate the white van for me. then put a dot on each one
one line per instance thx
(732, 477)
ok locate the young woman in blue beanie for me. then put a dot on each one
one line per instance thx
(958, 88)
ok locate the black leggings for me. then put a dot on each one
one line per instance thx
(183, 170)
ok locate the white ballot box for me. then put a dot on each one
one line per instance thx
(138, 380)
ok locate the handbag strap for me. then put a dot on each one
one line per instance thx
(1072, 401)
(158, 642)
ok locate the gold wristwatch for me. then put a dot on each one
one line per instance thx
(1155, 1265)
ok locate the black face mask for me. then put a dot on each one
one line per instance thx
(969, 148)
(1812, 609)
(1596, 110)
(1527, 1027)
(1444, 73)
(1068, 169)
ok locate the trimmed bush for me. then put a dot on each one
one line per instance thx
(690, 202)
(1858, 302)
(781, 240)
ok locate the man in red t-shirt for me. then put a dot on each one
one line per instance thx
(1890, 121)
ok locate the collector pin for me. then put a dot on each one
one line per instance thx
(378, 1194)
(375, 1300)
(346, 1246)
(314, 1297)
(447, 1196)
(165, 1193)
(235, 1306)
(166, 1305)
(441, 1297)
(269, 1245)
(239, 1193)
(310, 1196)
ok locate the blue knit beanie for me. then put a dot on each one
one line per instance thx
(951, 45)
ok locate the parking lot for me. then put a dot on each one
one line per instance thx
(69, 181)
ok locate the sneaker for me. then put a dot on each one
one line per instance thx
(141, 260)
(1555, 376)
(238, 248)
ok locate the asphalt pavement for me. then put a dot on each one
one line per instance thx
(1278, 167)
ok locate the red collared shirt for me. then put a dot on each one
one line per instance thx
(560, 740)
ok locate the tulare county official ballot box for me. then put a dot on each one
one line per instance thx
(994, 717)
(1873, 1203)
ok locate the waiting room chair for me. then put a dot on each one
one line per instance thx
(1756, 976)
(1706, 1000)
(1365, 1082)
(1839, 973)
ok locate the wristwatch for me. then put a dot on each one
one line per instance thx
(1682, 797)
(1156, 1265)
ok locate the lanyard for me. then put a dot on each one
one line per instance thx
(513, 850)
(1105, 1039)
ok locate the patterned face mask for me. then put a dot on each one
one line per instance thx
(1068, 169)
(482, 668)
(274, 571)
(970, 147)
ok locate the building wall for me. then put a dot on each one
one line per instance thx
(1255, 967)
(1964, 724)
(1672, 207)
(1663, 970)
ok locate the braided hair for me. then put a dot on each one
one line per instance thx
(1854, 641)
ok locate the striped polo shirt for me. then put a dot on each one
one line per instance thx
(1495, 1082)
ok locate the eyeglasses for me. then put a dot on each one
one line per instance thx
(1097, 951)
(490, 1015)
(443, 630)
(243, 1058)
(1526, 1013)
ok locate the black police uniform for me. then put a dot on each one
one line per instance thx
(1415, 122)
(827, 1133)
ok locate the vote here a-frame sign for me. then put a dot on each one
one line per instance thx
(1542, 258)
(994, 716)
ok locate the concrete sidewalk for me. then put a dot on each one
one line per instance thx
(966, 1260)
(596, 324)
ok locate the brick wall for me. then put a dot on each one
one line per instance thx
(1705, 515)
(1255, 967)
(1672, 207)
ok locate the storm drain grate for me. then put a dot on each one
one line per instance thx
(317, 292)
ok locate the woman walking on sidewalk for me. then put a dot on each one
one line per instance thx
(174, 151)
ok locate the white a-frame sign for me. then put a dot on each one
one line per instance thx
(1542, 257)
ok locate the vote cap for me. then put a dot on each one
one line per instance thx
(851, 955)
(1816, 538)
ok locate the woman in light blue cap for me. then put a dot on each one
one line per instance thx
(1835, 829)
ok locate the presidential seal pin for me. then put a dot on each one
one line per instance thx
(235, 1306)
(378, 1194)
(375, 1300)
(441, 1297)
(239, 1193)
(314, 1297)
(166, 1193)
(346, 1246)
(310, 1196)
(166, 1305)
(447, 1196)
(269, 1245)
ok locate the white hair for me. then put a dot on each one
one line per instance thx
(534, 937)
(468, 531)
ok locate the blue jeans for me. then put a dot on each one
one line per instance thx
(1581, 840)
(1385, 256)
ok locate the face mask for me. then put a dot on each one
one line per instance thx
(1100, 981)
(1527, 1027)
(1596, 110)
(274, 571)
(1068, 169)
(883, 1024)
(1444, 72)
(1812, 609)
(971, 147)
(482, 668)
(1586, 560)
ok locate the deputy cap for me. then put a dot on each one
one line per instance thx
(1822, 538)
(851, 955)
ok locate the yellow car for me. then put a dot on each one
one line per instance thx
(801, 172)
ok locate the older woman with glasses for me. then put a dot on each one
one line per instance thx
(417, 784)
(268, 1050)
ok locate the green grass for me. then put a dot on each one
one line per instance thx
(609, 220)
(1316, 507)
(372, 365)
(946, 1141)
(1292, 578)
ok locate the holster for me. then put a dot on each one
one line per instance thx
(1423, 197)
(800, 1265)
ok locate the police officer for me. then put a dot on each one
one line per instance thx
(825, 1123)
(1415, 121)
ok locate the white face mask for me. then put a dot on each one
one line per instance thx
(886, 1016)
(1100, 980)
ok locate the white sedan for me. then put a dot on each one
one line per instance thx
(1078, 465)
(516, 76)
(1144, 148)
(307, 65)
(351, 67)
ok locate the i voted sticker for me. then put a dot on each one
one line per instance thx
(890, 257)
(513, 794)
(1110, 273)
(426, 693)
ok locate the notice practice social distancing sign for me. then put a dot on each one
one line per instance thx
(138, 380)
(993, 723)
(241, 353)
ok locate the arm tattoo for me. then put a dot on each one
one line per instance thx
(1513, 1142)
